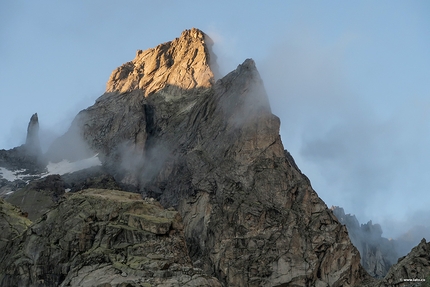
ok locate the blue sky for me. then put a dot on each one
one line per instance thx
(350, 81)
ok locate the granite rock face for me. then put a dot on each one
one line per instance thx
(182, 64)
(213, 151)
(102, 238)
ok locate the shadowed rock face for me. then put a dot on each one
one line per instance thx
(102, 238)
(27, 156)
(213, 151)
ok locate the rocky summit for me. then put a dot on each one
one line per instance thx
(217, 200)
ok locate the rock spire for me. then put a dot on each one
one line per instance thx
(32, 143)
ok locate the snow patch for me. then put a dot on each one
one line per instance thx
(60, 168)
(12, 175)
(66, 166)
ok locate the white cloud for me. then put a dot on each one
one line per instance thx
(367, 163)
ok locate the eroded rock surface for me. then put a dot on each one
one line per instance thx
(102, 238)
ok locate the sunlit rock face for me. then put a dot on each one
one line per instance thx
(212, 150)
(182, 63)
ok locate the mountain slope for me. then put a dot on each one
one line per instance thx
(213, 151)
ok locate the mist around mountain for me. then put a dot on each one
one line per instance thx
(378, 254)
(178, 177)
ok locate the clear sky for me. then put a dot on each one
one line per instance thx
(350, 81)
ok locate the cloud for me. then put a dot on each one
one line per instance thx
(366, 155)
(224, 48)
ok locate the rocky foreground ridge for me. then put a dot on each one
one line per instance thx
(234, 209)
(102, 238)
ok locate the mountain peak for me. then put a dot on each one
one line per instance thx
(183, 62)
(213, 152)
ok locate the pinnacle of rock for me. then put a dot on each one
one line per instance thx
(182, 63)
(32, 143)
